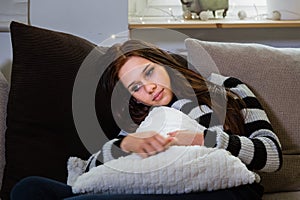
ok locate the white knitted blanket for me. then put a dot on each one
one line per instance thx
(179, 169)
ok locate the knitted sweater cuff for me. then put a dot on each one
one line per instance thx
(111, 150)
(222, 139)
(209, 138)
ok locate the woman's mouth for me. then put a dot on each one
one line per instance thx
(158, 96)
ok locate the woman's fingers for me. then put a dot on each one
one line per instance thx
(172, 134)
(149, 149)
(155, 145)
(187, 138)
(146, 144)
(162, 140)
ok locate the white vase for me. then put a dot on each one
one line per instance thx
(288, 9)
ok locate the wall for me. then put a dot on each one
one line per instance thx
(5, 54)
(95, 20)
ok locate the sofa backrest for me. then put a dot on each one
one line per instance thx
(4, 88)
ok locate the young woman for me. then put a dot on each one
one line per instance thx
(149, 76)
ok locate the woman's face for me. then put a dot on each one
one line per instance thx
(148, 82)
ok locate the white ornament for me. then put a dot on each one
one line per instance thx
(204, 15)
(276, 15)
(187, 15)
(242, 14)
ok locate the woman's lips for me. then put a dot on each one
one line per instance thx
(158, 96)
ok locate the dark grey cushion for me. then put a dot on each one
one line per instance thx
(41, 134)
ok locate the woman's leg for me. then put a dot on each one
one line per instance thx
(39, 188)
(244, 192)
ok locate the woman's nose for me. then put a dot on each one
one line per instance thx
(150, 87)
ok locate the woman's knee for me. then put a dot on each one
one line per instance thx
(26, 188)
(35, 187)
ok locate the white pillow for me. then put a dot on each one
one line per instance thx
(179, 169)
(165, 119)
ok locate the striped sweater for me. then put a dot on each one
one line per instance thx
(260, 149)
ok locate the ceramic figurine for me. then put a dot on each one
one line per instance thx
(197, 6)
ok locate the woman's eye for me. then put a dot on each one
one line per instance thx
(149, 71)
(136, 87)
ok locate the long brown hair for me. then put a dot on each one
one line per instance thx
(185, 83)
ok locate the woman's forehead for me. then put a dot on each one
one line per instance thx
(134, 64)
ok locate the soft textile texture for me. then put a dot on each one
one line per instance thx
(165, 120)
(179, 169)
(4, 88)
(41, 134)
(273, 74)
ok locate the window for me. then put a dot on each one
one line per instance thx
(159, 8)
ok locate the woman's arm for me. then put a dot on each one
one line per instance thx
(260, 149)
(145, 144)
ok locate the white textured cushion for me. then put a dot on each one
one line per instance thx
(177, 170)
(4, 88)
(165, 120)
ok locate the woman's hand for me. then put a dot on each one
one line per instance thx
(145, 144)
(187, 138)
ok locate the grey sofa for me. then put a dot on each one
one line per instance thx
(272, 73)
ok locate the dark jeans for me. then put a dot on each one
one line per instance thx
(39, 188)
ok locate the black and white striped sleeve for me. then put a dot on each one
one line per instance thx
(260, 149)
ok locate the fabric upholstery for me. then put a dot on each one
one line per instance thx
(4, 88)
(273, 74)
(283, 196)
(41, 134)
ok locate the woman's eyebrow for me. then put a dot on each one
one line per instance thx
(145, 69)
(131, 84)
